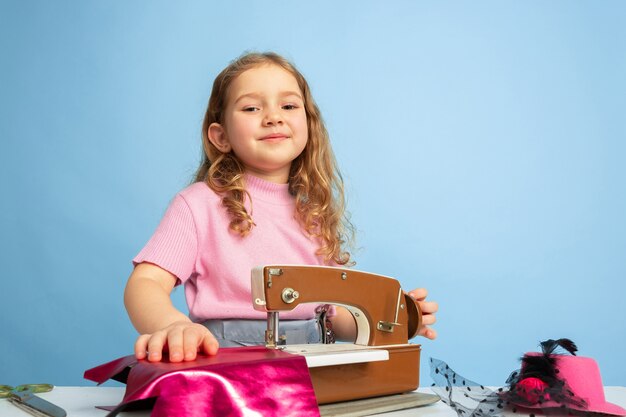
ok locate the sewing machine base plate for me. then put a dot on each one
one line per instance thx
(358, 408)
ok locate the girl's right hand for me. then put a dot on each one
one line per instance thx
(182, 340)
(428, 309)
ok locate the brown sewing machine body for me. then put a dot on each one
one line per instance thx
(386, 318)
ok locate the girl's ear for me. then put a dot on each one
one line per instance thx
(217, 136)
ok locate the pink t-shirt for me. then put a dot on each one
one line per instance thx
(194, 243)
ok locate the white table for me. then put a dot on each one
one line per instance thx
(81, 402)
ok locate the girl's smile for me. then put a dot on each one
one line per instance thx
(274, 137)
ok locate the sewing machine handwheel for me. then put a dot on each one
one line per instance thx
(414, 316)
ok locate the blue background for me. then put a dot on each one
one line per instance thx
(483, 146)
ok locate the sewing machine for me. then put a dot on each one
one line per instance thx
(380, 362)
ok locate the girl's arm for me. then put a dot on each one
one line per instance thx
(162, 326)
(344, 325)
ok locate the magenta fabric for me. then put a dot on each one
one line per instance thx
(194, 243)
(242, 382)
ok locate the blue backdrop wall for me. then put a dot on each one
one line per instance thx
(483, 145)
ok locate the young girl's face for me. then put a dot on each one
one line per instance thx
(265, 122)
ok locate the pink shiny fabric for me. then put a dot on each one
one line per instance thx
(242, 382)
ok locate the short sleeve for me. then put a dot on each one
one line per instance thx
(174, 244)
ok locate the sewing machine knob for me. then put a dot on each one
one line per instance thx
(290, 295)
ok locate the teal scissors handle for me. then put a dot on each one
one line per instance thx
(7, 391)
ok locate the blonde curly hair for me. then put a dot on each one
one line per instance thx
(314, 178)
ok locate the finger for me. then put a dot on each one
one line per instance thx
(141, 346)
(428, 319)
(428, 333)
(155, 346)
(431, 334)
(428, 307)
(199, 338)
(175, 344)
(191, 339)
(210, 345)
(419, 294)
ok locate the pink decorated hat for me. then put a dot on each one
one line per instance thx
(548, 380)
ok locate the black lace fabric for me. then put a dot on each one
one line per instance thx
(466, 397)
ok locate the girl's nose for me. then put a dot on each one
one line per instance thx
(273, 117)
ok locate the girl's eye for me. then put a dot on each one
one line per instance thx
(290, 107)
(250, 109)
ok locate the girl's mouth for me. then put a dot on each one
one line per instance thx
(274, 137)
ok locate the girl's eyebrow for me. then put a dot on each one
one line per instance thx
(255, 95)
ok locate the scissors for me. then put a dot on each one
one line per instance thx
(23, 397)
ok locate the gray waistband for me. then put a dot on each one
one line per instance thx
(240, 332)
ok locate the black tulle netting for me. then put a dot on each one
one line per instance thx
(466, 397)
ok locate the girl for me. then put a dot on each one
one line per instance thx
(267, 191)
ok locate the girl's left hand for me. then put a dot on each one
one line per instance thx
(428, 309)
